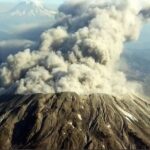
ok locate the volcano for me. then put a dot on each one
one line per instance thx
(69, 121)
(31, 8)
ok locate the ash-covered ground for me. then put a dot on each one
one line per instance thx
(72, 122)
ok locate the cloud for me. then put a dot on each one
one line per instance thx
(15, 42)
(145, 13)
(79, 53)
(8, 47)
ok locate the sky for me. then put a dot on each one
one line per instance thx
(50, 1)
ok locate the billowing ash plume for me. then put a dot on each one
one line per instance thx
(80, 53)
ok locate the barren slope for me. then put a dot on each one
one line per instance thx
(68, 121)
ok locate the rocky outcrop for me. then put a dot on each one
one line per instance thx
(71, 122)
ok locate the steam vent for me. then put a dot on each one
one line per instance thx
(66, 121)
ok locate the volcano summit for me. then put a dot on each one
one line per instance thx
(31, 8)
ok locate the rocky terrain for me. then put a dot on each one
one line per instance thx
(71, 122)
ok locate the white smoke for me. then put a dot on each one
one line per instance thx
(80, 53)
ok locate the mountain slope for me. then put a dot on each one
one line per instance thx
(68, 121)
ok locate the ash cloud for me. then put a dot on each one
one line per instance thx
(79, 53)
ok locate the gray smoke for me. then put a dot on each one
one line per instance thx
(79, 53)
